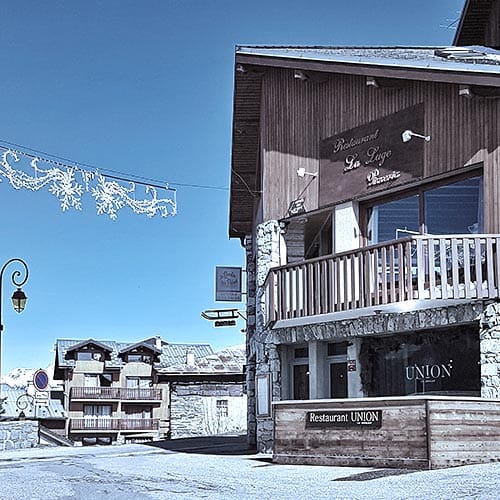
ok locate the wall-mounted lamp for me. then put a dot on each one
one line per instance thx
(300, 75)
(301, 172)
(408, 134)
(240, 68)
(371, 82)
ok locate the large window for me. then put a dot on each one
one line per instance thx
(452, 208)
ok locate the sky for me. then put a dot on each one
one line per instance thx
(145, 88)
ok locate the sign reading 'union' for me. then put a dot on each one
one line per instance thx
(345, 419)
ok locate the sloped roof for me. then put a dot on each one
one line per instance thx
(54, 409)
(486, 61)
(228, 360)
(169, 354)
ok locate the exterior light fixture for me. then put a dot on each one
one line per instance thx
(300, 75)
(301, 172)
(19, 300)
(408, 134)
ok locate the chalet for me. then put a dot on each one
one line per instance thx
(122, 392)
(365, 188)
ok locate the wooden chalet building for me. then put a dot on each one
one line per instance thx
(365, 188)
(128, 392)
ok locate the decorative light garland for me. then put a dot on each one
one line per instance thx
(69, 183)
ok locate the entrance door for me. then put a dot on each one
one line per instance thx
(338, 380)
(301, 382)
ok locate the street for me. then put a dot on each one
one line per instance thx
(142, 471)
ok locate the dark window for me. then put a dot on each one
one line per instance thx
(454, 208)
(337, 349)
(139, 358)
(301, 352)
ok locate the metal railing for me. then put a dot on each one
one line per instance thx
(117, 393)
(417, 268)
(113, 424)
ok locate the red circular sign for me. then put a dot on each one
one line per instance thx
(41, 380)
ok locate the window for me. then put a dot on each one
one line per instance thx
(453, 208)
(90, 411)
(139, 382)
(337, 349)
(91, 380)
(138, 412)
(88, 356)
(222, 408)
(139, 358)
(301, 352)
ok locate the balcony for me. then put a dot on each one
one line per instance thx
(115, 394)
(438, 269)
(100, 424)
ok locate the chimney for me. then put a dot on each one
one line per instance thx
(190, 357)
(158, 342)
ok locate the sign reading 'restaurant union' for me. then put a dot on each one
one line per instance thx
(371, 157)
(345, 419)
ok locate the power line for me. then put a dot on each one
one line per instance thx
(113, 174)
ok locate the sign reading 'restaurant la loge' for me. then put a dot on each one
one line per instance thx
(371, 157)
(345, 419)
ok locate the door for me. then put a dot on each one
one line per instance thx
(301, 382)
(338, 380)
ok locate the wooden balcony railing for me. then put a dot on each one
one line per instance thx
(416, 268)
(113, 424)
(116, 393)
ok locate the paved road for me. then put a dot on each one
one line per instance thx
(218, 471)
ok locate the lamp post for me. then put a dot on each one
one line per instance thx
(18, 278)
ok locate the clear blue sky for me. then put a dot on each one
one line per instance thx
(145, 87)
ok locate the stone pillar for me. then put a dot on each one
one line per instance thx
(354, 385)
(318, 370)
(267, 249)
(489, 346)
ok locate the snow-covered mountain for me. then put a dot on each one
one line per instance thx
(21, 377)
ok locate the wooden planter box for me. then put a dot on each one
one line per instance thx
(411, 432)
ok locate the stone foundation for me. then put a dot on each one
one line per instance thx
(18, 434)
(489, 342)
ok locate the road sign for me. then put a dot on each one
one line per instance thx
(41, 380)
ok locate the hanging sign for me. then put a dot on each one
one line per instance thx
(371, 157)
(228, 284)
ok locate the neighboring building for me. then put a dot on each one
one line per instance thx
(21, 403)
(117, 391)
(207, 395)
(365, 189)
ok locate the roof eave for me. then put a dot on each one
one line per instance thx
(363, 68)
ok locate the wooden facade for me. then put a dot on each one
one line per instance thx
(416, 432)
(370, 258)
(297, 115)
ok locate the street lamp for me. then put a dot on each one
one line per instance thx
(18, 301)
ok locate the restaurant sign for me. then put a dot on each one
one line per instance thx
(372, 157)
(344, 419)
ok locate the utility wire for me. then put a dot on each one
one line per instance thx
(113, 174)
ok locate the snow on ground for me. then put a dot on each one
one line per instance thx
(136, 471)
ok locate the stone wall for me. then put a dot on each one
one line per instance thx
(267, 250)
(194, 411)
(18, 434)
(489, 344)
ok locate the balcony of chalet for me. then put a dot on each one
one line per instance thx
(400, 275)
(115, 394)
(105, 424)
